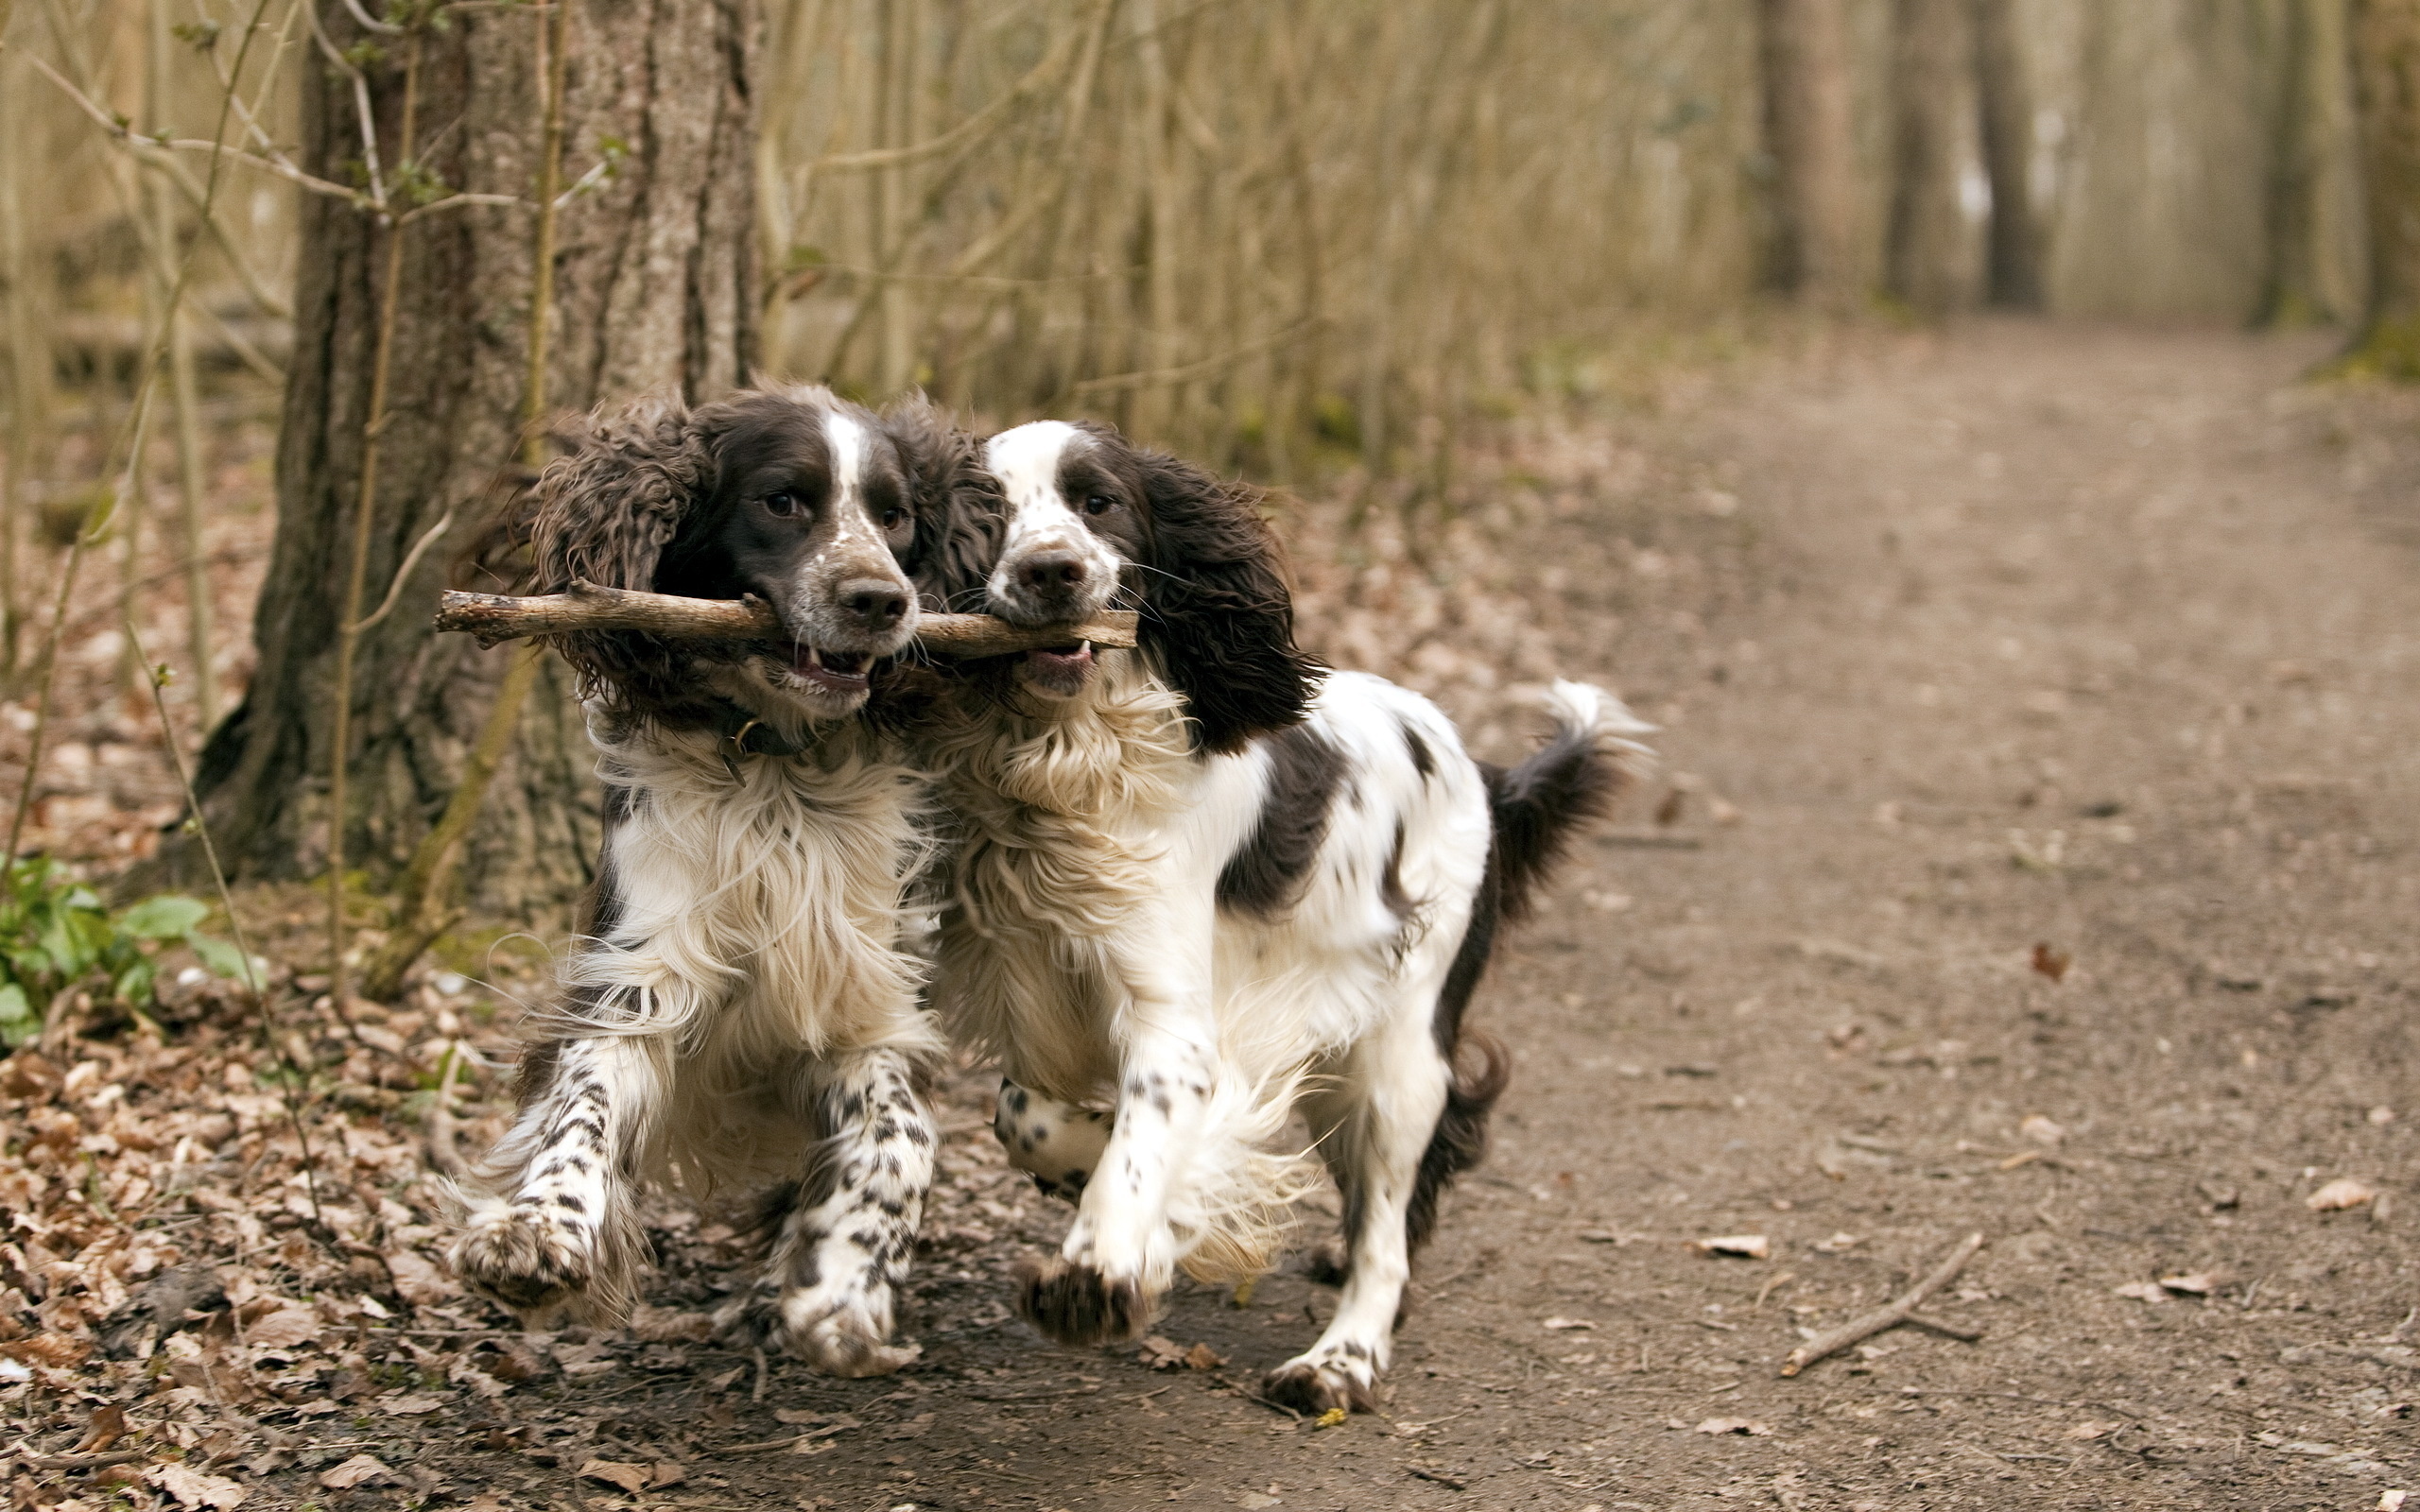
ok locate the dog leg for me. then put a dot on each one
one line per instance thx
(1376, 1118)
(1057, 1143)
(841, 1246)
(1120, 1255)
(565, 1237)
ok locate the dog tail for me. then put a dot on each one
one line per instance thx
(1593, 757)
(1535, 809)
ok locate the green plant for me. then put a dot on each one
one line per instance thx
(56, 935)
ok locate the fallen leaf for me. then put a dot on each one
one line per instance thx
(2199, 1283)
(629, 1477)
(669, 1325)
(2143, 1292)
(107, 1427)
(2050, 962)
(1256, 1500)
(1747, 1246)
(2393, 1501)
(358, 1470)
(418, 1279)
(1201, 1357)
(1735, 1425)
(193, 1489)
(2088, 1432)
(2036, 1129)
(1162, 1353)
(1566, 1324)
(282, 1329)
(1837, 1243)
(667, 1473)
(412, 1405)
(1333, 1418)
(2341, 1193)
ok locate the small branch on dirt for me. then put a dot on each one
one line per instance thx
(494, 617)
(1651, 840)
(1435, 1479)
(1900, 1311)
(442, 1152)
(78, 1462)
(1950, 1331)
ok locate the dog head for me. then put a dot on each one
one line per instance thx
(1088, 520)
(791, 495)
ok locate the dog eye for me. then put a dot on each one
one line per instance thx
(892, 516)
(1099, 504)
(785, 505)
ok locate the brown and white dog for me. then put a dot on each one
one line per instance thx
(738, 1013)
(1197, 888)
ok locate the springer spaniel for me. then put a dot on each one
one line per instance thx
(1196, 889)
(739, 1012)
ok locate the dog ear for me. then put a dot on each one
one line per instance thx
(604, 514)
(956, 500)
(1216, 608)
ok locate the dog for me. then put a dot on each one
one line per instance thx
(1196, 889)
(739, 1014)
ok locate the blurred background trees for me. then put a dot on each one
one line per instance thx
(1292, 240)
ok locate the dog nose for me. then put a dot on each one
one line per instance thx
(1052, 570)
(880, 604)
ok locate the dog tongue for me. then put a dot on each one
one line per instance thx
(1062, 660)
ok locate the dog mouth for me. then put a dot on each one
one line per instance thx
(1061, 668)
(844, 671)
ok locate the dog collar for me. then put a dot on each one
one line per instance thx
(740, 735)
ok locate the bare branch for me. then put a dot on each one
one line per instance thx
(494, 617)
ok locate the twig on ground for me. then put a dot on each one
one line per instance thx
(1901, 1310)
(442, 1152)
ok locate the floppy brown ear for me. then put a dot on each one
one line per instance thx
(604, 515)
(956, 500)
(1216, 610)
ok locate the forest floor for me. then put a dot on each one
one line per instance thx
(2035, 858)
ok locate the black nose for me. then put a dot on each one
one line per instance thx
(880, 603)
(1052, 570)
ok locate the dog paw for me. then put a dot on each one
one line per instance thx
(837, 1334)
(1313, 1388)
(522, 1258)
(1328, 1263)
(1077, 1305)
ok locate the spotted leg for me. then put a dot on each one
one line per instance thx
(1377, 1117)
(1057, 1143)
(1120, 1254)
(842, 1238)
(562, 1236)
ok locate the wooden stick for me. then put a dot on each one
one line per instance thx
(1890, 1315)
(494, 617)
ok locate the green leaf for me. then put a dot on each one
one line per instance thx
(167, 917)
(133, 985)
(18, 1020)
(220, 957)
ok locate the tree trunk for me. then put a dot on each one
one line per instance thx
(1806, 88)
(654, 289)
(2013, 245)
(2386, 62)
(1922, 255)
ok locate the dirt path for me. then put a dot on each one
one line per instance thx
(2103, 641)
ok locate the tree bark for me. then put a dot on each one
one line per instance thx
(1923, 254)
(1808, 134)
(2013, 245)
(2386, 64)
(654, 289)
